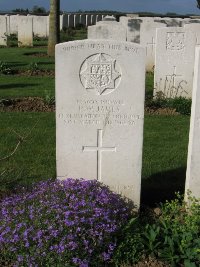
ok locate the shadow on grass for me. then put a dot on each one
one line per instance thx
(16, 64)
(16, 86)
(162, 186)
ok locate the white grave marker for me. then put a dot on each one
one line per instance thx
(173, 76)
(110, 30)
(193, 161)
(25, 31)
(99, 111)
(147, 39)
(3, 30)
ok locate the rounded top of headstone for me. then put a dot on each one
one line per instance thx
(109, 18)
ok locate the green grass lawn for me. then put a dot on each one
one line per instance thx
(12, 86)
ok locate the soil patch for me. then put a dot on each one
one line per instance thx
(36, 54)
(48, 73)
(30, 104)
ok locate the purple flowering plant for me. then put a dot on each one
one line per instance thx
(61, 223)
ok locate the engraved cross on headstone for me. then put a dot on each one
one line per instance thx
(173, 77)
(99, 149)
(152, 45)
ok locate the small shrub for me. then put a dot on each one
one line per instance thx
(49, 98)
(175, 235)
(69, 223)
(129, 248)
(4, 68)
(180, 104)
(33, 68)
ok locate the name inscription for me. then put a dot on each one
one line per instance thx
(101, 112)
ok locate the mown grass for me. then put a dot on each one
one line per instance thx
(12, 86)
(34, 159)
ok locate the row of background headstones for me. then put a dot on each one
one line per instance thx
(169, 50)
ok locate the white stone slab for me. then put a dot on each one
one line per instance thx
(14, 24)
(148, 40)
(110, 30)
(88, 20)
(132, 28)
(76, 19)
(40, 26)
(173, 76)
(3, 31)
(71, 20)
(193, 161)
(195, 28)
(25, 31)
(99, 113)
(8, 24)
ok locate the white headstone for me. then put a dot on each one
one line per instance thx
(40, 26)
(193, 161)
(132, 28)
(76, 19)
(25, 31)
(173, 76)
(14, 24)
(71, 20)
(88, 20)
(195, 28)
(148, 40)
(110, 30)
(3, 31)
(99, 113)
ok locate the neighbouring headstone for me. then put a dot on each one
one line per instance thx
(110, 30)
(100, 88)
(148, 40)
(88, 20)
(132, 28)
(63, 21)
(193, 161)
(8, 24)
(83, 19)
(195, 28)
(3, 31)
(71, 20)
(40, 26)
(25, 31)
(173, 76)
(76, 19)
(14, 24)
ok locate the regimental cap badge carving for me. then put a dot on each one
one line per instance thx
(100, 74)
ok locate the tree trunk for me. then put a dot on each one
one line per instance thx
(54, 26)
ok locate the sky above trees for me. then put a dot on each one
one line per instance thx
(160, 6)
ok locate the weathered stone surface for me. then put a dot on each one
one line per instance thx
(173, 76)
(193, 161)
(148, 40)
(99, 113)
(3, 31)
(132, 28)
(110, 30)
(25, 31)
(41, 26)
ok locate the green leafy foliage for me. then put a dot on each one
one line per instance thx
(173, 237)
(180, 104)
(4, 68)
